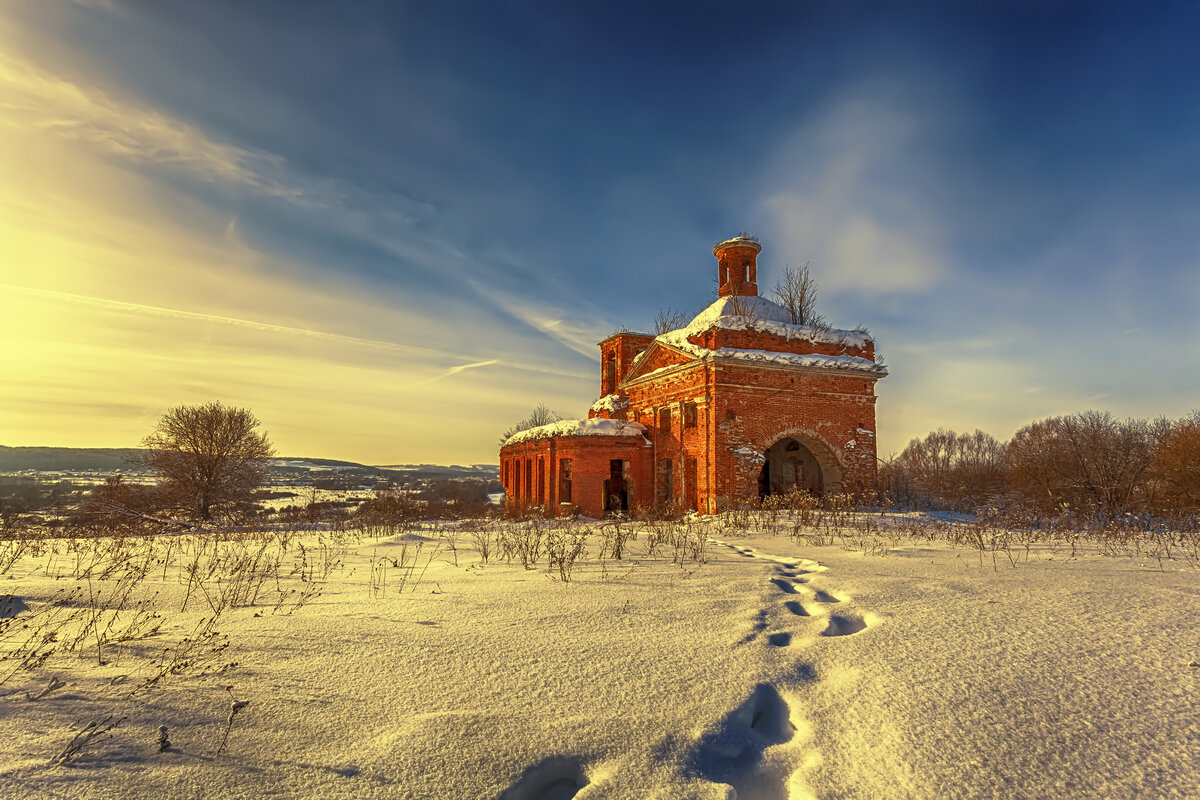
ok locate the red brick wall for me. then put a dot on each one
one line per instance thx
(716, 338)
(737, 270)
(743, 407)
(623, 348)
(590, 465)
(756, 407)
(739, 411)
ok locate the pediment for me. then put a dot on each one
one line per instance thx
(655, 357)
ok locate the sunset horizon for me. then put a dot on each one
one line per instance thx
(391, 231)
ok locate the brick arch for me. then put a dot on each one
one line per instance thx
(832, 468)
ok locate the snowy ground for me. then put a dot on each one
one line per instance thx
(767, 668)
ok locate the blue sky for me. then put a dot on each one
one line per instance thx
(390, 229)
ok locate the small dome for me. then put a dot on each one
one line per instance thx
(742, 306)
(743, 239)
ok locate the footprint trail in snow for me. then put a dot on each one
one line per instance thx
(760, 749)
(749, 750)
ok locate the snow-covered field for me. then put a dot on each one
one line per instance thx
(400, 668)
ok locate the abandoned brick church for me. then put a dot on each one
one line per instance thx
(740, 403)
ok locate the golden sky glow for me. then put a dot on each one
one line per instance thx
(120, 297)
(391, 233)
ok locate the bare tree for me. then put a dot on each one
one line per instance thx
(208, 456)
(1176, 468)
(797, 292)
(669, 319)
(1089, 460)
(951, 469)
(541, 415)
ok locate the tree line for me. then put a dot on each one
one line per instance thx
(1090, 463)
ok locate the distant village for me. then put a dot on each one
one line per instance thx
(49, 486)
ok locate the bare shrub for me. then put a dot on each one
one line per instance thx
(564, 547)
(668, 320)
(796, 291)
(87, 734)
(540, 415)
(482, 535)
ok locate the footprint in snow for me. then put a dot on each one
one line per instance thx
(792, 573)
(784, 586)
(795, 607)
(826, 597)
(781, 639)
(760, 625)
(557, 778)
(844, 625)
(10, 606)
(732, 753)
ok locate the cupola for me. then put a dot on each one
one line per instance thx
(737, 270)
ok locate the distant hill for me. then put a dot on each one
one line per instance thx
(439, 471)
(118, 459)
(69, 459)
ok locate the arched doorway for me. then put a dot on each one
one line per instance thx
(790, 464)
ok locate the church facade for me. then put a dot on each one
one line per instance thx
(740, 403)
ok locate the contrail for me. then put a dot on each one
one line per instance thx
(456, 370)
(175, 313)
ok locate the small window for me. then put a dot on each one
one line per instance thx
(564, 480)
(664, 420)
(666, 488)
(689, 415)
(541, 481)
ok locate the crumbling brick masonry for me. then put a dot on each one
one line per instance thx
(741, 403)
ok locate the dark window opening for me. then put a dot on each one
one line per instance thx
(790, 466)
(689, 415)
(564, 480)
(666, 493)
(541, 482)
(693, 485)
(616, 488)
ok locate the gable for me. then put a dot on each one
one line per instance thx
(657, 356)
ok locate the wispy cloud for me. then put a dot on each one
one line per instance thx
(37, 99)
(832, 194)
(175, 313)
(267, 327)
(558, 324)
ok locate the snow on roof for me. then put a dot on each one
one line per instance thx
(611, 403)
(809, 360)
(579, 427)
(802, 360)
(760, 314)
(743, 306)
